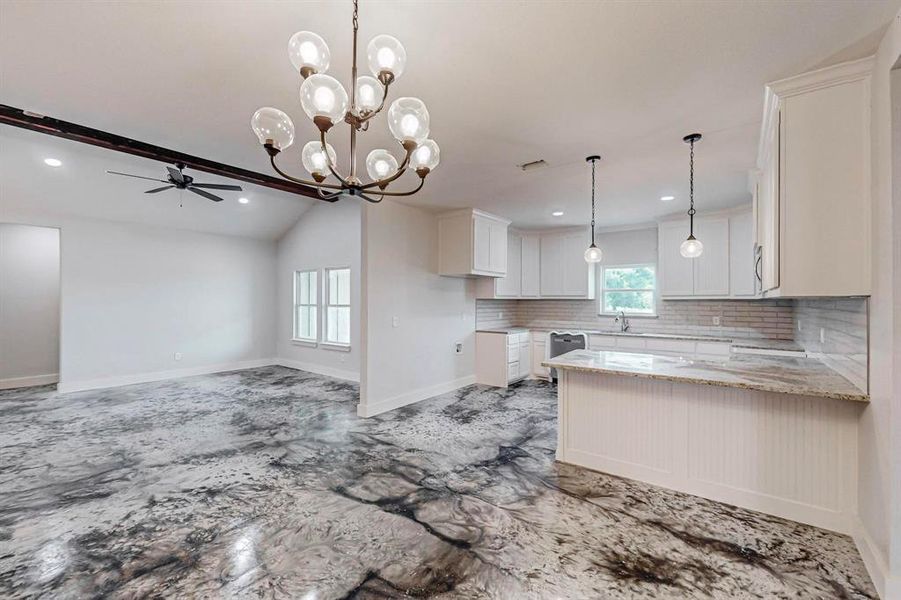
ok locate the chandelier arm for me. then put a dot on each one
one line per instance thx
(331, 167)
(302, 181)
(400, 171)
(410, 193)
(368, 199)
(329, 196)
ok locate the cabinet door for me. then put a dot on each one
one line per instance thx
(551, 265)
(530, 263)
(497, 254)
(508, 286)
(537, 358)
(525, 358)
(575, 269)
(741, 255)
(768, 213)
(481, 242)
(712, 267)
(676, 273)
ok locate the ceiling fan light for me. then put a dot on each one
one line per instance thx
(308, 53)
(691, 248)
(323, 96)
(380, 164)
(314, 160)
(593, 254)
(426, 156)
(272, 126)
(408, 120)
(386, 55)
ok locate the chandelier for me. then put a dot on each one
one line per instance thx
(326, 103)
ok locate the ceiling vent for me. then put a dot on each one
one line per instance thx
(535, 164)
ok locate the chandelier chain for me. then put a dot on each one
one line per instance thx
(356, 16)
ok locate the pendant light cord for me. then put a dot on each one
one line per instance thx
(593, 162)
(691, 188)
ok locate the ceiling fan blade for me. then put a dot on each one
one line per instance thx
(159, 189)
(217, 186)
(175, 174)
(205, 194)
(136, 176)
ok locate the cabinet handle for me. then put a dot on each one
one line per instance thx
(757, 271)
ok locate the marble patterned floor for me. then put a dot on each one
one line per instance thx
(264, 483)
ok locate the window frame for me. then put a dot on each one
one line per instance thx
(603, 290)
(324, 341)
(312, 341)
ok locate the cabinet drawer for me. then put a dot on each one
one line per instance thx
(713, 349)
(627, 343)
(602, 342)
(513, 353)
(675, 347)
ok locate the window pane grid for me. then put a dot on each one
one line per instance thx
(305, 306)
(337, 313)
(629, 289)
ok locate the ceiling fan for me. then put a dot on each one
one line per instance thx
(179, 180)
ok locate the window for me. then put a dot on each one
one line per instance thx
(337, 306)
(630, 289)
(305, 306)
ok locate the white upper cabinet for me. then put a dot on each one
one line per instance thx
(472, 242)
(813, 194)
(531, 265)
(741, 255)
(510, 285)
(551, 265)
(712, 267)
(564, 272)
(724, 270)
(675, 273)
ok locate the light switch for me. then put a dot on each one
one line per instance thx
(395, 321)
(716, 320)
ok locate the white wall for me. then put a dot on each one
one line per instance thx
(134, 295)
(414, 360)
(327, 235)
(29, 305)
(879, 489)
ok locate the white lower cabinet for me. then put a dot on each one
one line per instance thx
(502, 358)
(698, 349)
(539, 349)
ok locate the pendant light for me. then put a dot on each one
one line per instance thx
(692, 247)
(593, 254)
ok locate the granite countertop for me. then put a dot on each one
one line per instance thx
(787, 375)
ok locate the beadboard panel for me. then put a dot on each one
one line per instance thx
(845, 327)
(770, 319)
(790, 456)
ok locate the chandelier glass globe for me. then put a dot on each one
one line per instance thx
(323, 96)
(272, 126)
(369, 93)
(408, 120)
(691, 248)
(308, 51)
(426, 156)
(314, 160)
(380, 164)
(593, 254)
(386, 55)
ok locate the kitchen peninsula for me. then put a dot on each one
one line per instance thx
(771, 433)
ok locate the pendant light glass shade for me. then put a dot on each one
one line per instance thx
(426, 156)
(308, 50)
(691, 248)
(593, 254)
(272, 126)
(314, 160)
(386, 55)
(323, 96)
(380, 164)
(369, 93)
(408, 120)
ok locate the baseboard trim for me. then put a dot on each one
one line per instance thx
(889, 588)
(30, 381)
(108, 382)
(370, 410)
(318, 369)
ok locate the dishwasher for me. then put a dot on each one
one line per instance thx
(561, 342)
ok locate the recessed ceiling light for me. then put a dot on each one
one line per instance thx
(557, 213)
(243, 200)
(53, 162)
(667, 198)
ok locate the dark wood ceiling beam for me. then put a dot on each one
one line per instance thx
(16, 117)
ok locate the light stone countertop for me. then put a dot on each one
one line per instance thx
(781, 374)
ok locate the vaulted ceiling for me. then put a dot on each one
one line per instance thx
(505, 83)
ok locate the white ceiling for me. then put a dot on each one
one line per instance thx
(505, 83)
(81, 187)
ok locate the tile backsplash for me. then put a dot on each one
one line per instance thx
(843, 345)
(773, 319)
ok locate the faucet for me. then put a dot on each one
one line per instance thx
(623, 322)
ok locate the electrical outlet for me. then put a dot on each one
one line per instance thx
(458, 348)
(716, 320)
(177, 356)
(822, 335)
(500, 315)
(395, 321)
